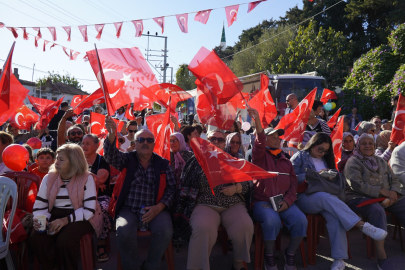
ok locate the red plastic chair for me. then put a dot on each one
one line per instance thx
(169, 255)
(259, 248)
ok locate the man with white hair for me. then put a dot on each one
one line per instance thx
(149, 182)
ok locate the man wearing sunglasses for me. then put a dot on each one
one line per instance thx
(132, 128)
(74, 133)
(150, 182)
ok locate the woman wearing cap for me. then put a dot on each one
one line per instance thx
(205, 211)
(233, 145)
(347, 146)
(267, 154)
(384, 146)
(318, 156)
(370, 177)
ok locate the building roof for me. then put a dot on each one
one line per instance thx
(62, 88)
(28, 83)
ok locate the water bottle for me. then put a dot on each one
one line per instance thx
(143, 226)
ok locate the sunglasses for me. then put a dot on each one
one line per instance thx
(215, 139)
(148, 140)
(235, 142)
(377, 122)
(322, 151)
(174, 141)
(73, 133)
(132, 131)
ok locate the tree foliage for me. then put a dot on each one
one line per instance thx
(325, 51)
(184, 78)
(55, 77)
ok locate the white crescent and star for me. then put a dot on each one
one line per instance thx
(92, 124)
(126, 78)
(233, 10)
(398, 113)
(16, 117)
(74, 100)
(213, 154)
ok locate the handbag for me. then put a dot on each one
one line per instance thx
(317, 183)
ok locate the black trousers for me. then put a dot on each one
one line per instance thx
(63, 249)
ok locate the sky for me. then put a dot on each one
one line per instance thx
(181, 47)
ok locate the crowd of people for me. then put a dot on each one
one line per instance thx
(84, 191)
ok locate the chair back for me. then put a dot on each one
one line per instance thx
(290, 150)
(8, 188)
(24, 181)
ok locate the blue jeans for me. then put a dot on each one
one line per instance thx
(375, 213)
(127, 229)
(339, 217)
(292, 218)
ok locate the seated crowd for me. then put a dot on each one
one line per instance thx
(89, 184)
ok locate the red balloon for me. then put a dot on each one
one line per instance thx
(15, 157)
(35, 143)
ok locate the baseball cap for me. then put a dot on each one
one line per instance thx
(384, 121)
(270, 130)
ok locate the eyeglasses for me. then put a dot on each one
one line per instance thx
(132, 131)
(215, 139)
(174, 141)
(73, 133)
(288, 100)
(235, 142)
(148, 140)
(322, 151)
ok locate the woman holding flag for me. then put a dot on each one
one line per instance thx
(206, 211)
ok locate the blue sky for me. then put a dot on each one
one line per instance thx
(182, 47)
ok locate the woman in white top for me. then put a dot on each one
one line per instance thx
(68, 198)
(120, 114)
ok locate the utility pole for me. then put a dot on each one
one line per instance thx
(163, 67)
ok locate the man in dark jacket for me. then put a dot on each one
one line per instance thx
(53, 124)
(149, 182)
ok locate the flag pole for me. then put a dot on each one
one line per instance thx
(247, 105)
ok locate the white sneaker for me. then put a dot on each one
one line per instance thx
(338, 265)
(374, 232)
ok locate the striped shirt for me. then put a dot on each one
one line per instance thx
(63, 201)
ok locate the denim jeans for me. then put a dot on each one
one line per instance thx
(127, 229)
(375, 213)
(339, 217)
(292, 218)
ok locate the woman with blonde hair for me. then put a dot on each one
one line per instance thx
(68, 198)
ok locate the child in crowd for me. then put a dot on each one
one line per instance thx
(45, 158)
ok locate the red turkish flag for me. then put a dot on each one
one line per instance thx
(118, 27)
(36, 41)
(18, 93)
(164, 92)
(154, 122)
(24, 118)
(2, 25)
(97, 124)
(48, 113)
(263, 102)
(326, 95)
(129, 113)
(332, 121)
(138, 27)
(126, 74)
(97, 97)
(162, 142)
(294, 123)
(53, 45)
(39, 103)
(99, 28)
(77, 99)
(337, 139)
(5, 82)
(182, 21)
(202, 16)
(252, 5)
(13, 31)
(358, 125)
(79, 119)
(25, 35)
(210, 112)
(231, 14)
(221, 168)
(68, 30)
(45, 43)
(397, 135)
(74, 56)
(215, 75)
(83, 30)
(161, 22)
(39, 31)
(64, 49)
(53, 32)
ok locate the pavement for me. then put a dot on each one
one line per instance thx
(357, 244)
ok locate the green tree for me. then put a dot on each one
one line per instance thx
(326, 51)
(184, 78)
(55, 77)
(226, 55)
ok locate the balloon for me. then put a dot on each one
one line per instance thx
(333, 105)
(246, 126)
(35, 143)
(328, 106)
(15, 157)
